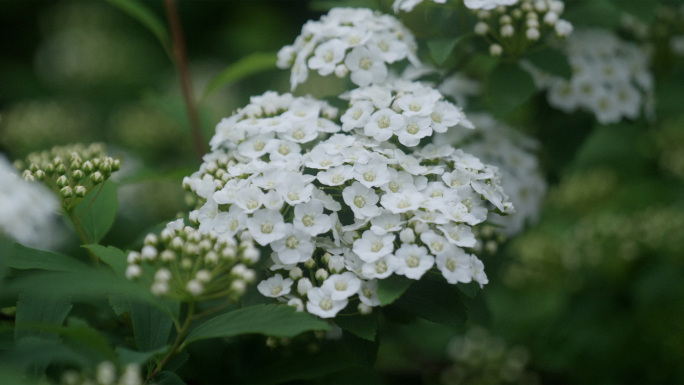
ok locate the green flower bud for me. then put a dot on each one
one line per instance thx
(62, 181)
(33, 167)
(40, 175)
(80, 191)
(75, 165)
(87, 167)
(77, 174)
(49, 169)
(66, 192)
(97, 177)
(28, 176)
(116, 165)
(61, 169)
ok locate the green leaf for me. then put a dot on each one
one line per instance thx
(127, 356)
(552, 61)
(433, 299)
(115, 258)
(391, 288)
(23, 258)
(271, 320)
(151, 326)
(509, 88)
(35, 309)
(595, 13)
(249, 65)
(147, 18)
(364, 326)
(469, 289)
(168, 378)
(97, 211)
(644, 10)
(440, 49)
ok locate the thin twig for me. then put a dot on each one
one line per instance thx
(184, 75)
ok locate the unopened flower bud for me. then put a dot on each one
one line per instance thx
(211, 258)
(238, 270)
(303, 286)
(133, 257)
(341, 70)
(40, 174)
(250, 255)
(167, 256)
(310, 263)
(162, 275)
(336, 263)
(149, 253)
(97, 177)
(365, 309)
(151, 239)
(116, 165)
(159, 288)
(80, 191)
(481, 28)
(238, 287)
(28, 176)
(62, 181)
(61, 169)
(195, 287)
(495, 50)
(186, 263)
(77, 174)
(326, 257)
(133, 271)
(297, 304)
(322, 274)
(66, 192)
(407, 235)
(421, 227)
(296, 273)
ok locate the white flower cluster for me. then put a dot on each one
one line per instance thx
(408, 110)
(514, 154)
(191, 265)
(348, 40)
(408, 5)
(611, 77)
(27, 210)
(340, 210)
(521, 23)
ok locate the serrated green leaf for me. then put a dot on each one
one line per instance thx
(23, 258)
(97, 211)
(151, 326)
(35, 309)
(115, 258)
(433, 299)
(271, 320)
(249, 65)
(509, 88)
(144, 16)
(391, 288)
(440, 49)
(364, 326)
(552, 61)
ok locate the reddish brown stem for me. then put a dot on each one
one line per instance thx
(184, 75)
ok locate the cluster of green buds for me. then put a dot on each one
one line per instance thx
(184, 264)
(70, 171)
(514, 28)
(105, 374)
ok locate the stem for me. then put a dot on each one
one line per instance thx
(184, 75)
(181, 334)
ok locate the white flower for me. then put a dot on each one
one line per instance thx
(477, 268)
(379, 269)
(295, 246)
(411, 260)
(459, 235)
(294, 188)
(454, 264)
(383, 123)
(361, 200)
(488, 4)
(335, 176)
(266, 226)
(368, 293)
(275, 286)
(415, 128)
(341, 286)
(304, 285)
(370, 247)
(327, 56)
(386, 222)
(309, 217)
(249, 199)
(320, 303)
(401, 202)
(373, 174)
(366, 66)
(357, 115)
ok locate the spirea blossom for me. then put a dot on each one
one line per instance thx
(347, 40)
(611, 77)
(188, 264)
(345, 195)
(515, 155)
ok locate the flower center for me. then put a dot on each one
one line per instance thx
(259, 145)
(367, 292)
(377, 246)
(267, 227)
(328, 57)
(437, 246)
(369, 176)
(251, 205)
(359, 201)
(326, 163)
(384, 122)
(276, 290)
(292, 242)
(412, 261)
(340, 285)
(326, 304)
(384, 47)
(293, 196)
(415, 107)
(233, 225)
(284, 149)
(308, 220)
(403, 204)
(365, 63)
(436, 117)
(337, 178)
(357, 114)
(412, 128)
(298, 134)
(380, 267)
(451, 264)
(394, 186)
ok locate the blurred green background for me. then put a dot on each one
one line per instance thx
(592, 294)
